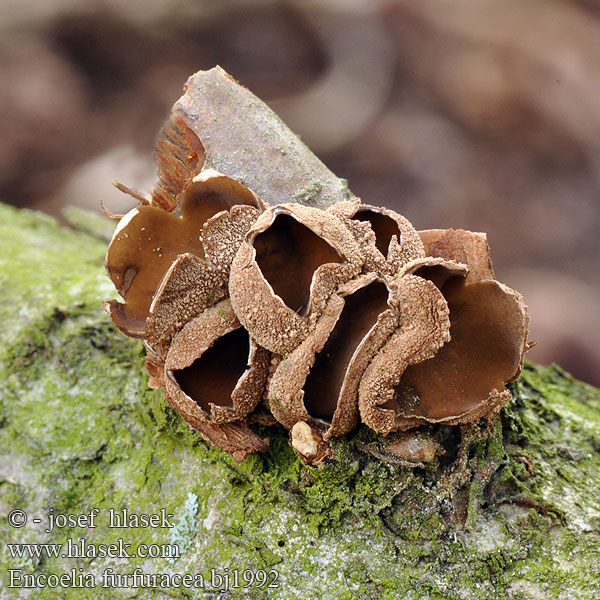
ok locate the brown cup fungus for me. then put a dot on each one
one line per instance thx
(366, 317)
(214, 372)
(292, 260)
(330, 317)
(170, 267)
(482, 345)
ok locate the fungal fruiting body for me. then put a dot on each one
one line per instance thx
(315, 319)
(451, 367)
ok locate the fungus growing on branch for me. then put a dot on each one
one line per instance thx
(325, 315)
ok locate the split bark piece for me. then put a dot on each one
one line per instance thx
(461, 246)
(220, 124)
(414, 446)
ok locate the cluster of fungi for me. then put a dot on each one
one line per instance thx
(253, 314)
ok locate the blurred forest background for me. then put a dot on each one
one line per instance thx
(475, 114)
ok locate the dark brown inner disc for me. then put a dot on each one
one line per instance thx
(482, 354)
(213, 376)
(324, 382)
(288, 254)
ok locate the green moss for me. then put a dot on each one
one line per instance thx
(94, 224)
(511, 509)
(308, 195)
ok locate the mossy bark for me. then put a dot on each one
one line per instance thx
(512, 509)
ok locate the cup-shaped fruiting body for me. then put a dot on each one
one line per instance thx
(387, 239)
(293, 259)
(480, 348)
(317, 383)
(149, 240)
(214, 372)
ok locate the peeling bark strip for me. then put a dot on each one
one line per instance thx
(220, 124)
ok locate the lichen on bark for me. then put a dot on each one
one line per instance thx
(510, 510)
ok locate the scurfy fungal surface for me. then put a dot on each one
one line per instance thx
(383, 226)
